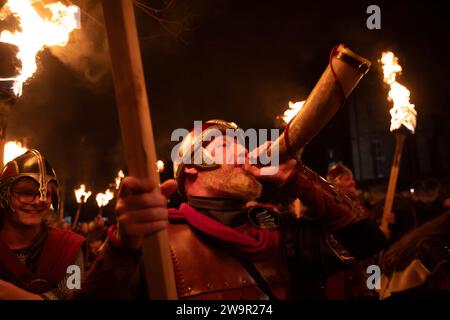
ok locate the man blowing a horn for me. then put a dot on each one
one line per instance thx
(223, 248)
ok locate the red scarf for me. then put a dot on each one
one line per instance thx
(247, 241)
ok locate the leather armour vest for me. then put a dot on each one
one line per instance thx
(205, 271)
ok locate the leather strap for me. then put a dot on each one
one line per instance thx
(362, 67)
(259, 279)
(222, 204)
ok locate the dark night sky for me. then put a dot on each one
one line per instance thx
(242, 61)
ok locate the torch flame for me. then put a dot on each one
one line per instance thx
(36, 33)
(12, 150)
(402, 112)
(103, 198)
(294, 108)
(120, 176)
(81, 194)
(159, 166)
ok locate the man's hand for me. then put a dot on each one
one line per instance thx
(142, 209)
(276, 174)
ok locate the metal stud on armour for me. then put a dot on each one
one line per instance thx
(263, 217)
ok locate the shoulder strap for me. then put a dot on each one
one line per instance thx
(259, 279)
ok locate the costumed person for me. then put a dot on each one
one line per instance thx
(223, 249)
(402, 219)
(33, 256)
(341, 177)
(350, 284)
(96, 236)
(418, 265)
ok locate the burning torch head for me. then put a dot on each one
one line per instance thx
(31, 165)
(192, 152)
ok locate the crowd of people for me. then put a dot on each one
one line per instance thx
(236, 233)
(93, 231)
(425, 204)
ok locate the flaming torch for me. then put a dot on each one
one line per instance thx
(403, 121)
(36, 33)
(102, 200)
(81, 195)
(291, 112)
(19, 47)
(160, 166)
(120, 176)
(13, 149)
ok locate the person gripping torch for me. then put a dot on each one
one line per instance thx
(403, 121)
(340, 78)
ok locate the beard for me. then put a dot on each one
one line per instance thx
(230, 181)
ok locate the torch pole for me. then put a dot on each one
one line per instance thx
(2, 146)
(77, 216)
(399, 141)
(137, 133)
(100, 211)
(61, 209)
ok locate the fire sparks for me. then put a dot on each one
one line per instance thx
(159, 166)
(36, 33)
(294, 108)
(103, 198)
(12, 150)
(81, 194)
(402, 112)
(120, 176)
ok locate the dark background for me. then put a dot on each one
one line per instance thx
(242, 61)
